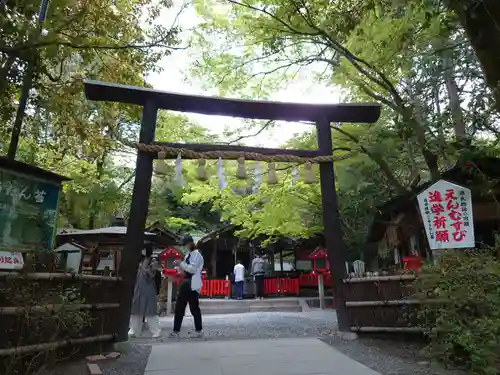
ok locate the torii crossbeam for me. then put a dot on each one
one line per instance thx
(153, 100)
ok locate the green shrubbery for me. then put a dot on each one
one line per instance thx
(464, 330)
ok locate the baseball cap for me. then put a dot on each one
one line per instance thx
(187, 239)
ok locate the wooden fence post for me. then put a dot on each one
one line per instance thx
(170, 291)
(321, 291)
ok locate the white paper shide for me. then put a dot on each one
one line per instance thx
(446, 210)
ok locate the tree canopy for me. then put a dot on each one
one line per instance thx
(425, 62)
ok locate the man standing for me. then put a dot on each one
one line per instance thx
(239, 279)
(258, 271)
(189, 290)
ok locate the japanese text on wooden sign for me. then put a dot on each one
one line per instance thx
(446, 210)
(28, 210)
(11, 261)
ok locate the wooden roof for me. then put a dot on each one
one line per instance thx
(157, 227)
(213, 234)
(115, 235)
(30, 170)
(254, 109)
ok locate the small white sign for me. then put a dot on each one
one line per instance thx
(11, 261)
(446, 210)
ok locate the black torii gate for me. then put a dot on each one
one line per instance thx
(153, 100)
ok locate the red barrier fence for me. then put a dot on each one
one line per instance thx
(215, 288)
(222, 288)
(281, 286)
(311, 279)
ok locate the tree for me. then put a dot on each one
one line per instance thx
(115, 42)
(480, 20)
(166, 201)
(411, 57)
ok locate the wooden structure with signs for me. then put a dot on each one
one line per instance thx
(152, 101)
(222, 248)
(383, 303)
(102, 247)
(42, 315)
(398, 230)
(29, 198)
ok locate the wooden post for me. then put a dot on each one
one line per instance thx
(170, 290)
(214, 259)
(134, 239)
(321, 291)
(332, 224)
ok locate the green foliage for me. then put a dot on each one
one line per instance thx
(410, 56)
(62, 131)
(61, 321)
(465, 329)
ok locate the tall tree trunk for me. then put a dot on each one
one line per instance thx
(457, 114)
(94, 209)
(481, 21)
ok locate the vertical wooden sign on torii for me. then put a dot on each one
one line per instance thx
(152, 100)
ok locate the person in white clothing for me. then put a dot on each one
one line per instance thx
(239, 279)
(189, 291)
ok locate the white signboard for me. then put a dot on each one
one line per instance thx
(446, 210)
(11, 261)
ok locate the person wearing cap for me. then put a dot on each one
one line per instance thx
(189, 290)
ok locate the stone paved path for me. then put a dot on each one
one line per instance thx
(382, 356)
(286, 356)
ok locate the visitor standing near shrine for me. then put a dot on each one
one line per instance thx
(258, 272)
(239, 279)
(144, 302)
(189, 290)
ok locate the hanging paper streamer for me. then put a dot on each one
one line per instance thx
(295, 176)
(258, 177)
(241, 173)
(161, 166)
(220, 175)
(309, 176)
(272, 178)
(178, 171)
(202, 170)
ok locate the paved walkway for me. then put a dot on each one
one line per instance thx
(285, 356)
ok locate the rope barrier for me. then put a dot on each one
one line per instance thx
(172, 152)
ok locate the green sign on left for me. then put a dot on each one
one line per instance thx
(28, 210)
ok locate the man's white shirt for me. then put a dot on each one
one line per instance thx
(239, 272)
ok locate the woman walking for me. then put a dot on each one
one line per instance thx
(144, 302)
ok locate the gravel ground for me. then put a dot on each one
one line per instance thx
(259, 325)
(388, 357)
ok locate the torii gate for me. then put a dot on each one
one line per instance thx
(153, 100)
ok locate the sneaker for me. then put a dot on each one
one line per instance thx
(174, 335)
(196, 334)
(156, 335)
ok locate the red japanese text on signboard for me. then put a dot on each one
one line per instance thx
(446, 210)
